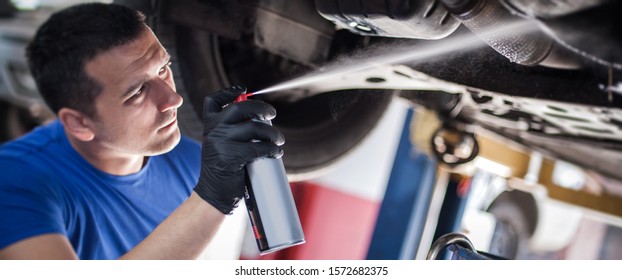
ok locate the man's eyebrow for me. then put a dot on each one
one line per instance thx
(168, 57)
(134, 87)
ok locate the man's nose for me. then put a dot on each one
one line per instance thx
(167, 98)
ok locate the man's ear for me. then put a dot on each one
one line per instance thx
(76, 123)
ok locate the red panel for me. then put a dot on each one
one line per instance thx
(336, 225)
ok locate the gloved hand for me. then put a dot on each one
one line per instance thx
(228, 145)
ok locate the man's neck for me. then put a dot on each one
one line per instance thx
(107, 161)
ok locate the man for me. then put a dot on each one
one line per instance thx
(113, 177)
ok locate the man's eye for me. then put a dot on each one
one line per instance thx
(138, 93)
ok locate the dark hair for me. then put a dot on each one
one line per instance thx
(69, 39)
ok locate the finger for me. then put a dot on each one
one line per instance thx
(250, 109)
(254, 150)
(249, 131)
(214, 102)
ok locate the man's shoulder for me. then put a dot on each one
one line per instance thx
(32, 143)
(23, 156)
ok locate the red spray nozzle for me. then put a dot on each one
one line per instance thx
(243, 97)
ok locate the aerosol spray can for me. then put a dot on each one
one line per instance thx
(270, 204)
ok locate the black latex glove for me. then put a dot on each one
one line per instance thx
(229, 142)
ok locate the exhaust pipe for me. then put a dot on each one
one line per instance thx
(491, 21)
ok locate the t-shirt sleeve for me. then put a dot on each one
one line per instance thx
(29, 205)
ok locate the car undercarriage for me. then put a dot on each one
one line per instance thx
(557, 85)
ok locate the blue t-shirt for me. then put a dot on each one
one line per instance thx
(47, 187)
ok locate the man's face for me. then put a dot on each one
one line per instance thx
(136, 112)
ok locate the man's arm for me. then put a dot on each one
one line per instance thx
(54, 246)
(183, 235)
